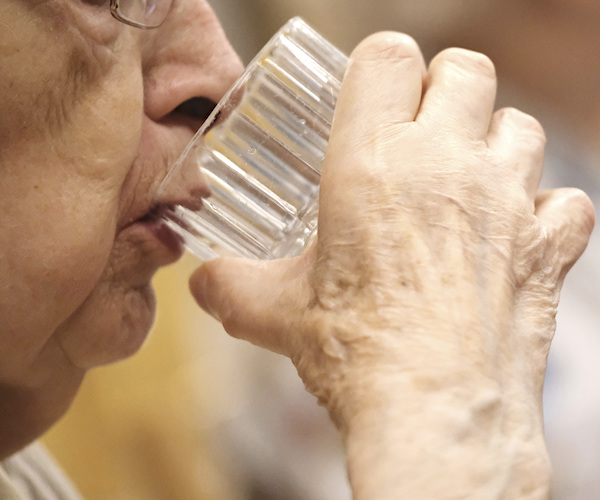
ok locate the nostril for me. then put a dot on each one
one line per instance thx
(196, 107)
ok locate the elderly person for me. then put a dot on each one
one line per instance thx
(422, 317)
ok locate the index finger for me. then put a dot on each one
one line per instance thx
(382, 85)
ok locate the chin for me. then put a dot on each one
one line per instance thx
(109, 326)
(116, 317)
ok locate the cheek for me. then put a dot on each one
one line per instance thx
(52, 257)
(59, 202)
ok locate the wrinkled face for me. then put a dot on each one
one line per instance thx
(90, 119)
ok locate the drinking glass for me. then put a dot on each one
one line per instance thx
(259, 154)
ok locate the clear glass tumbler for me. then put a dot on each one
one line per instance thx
(260, 153)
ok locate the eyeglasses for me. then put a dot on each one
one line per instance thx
(143, 14)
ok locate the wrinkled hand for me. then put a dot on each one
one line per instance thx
(423, 316)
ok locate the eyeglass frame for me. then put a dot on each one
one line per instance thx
(116, 13)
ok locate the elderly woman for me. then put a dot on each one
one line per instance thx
(422, 317)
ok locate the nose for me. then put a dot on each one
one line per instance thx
(188, 63)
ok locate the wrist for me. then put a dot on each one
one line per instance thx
(406, 442)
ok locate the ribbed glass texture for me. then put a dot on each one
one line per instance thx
(261, 152)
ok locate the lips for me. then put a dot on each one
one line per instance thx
(187, 196)
(168, 239)
(152, 225)
(156, 230)
(185, 187)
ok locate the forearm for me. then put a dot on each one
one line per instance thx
(421, 443)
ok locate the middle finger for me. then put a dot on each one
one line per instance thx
(460, 92)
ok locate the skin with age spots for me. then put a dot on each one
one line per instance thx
(421, 318)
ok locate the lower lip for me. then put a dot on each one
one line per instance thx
(165, 246)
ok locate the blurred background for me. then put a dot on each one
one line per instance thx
(197, 415)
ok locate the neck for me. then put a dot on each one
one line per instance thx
(27, 411)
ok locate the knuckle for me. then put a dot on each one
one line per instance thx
(584, 205)
(386, 46)
(468, 61)
(527, 133)
(524, 122)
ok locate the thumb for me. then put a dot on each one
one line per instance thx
(255, 300)
(568, 216)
